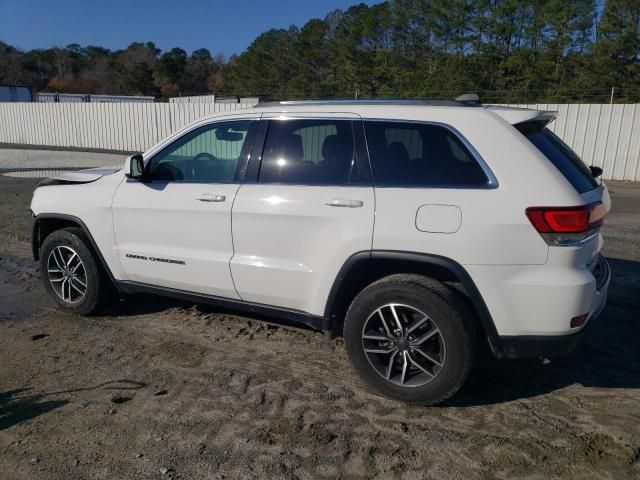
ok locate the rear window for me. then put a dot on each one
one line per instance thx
(560, 154)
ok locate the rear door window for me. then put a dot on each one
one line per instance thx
(311, 152)
(560, 154)
(420, 155)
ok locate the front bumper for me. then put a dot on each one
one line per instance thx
(535, 346)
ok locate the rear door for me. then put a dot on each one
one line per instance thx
(310, 206)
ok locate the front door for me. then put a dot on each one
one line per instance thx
(310, 208)
(173, 228)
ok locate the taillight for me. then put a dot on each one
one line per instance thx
(567, 225)
(578, 321)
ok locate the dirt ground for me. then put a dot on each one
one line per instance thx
(162, 389)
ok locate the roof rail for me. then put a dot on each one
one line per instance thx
(462, 101)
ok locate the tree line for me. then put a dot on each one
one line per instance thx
(506, 50)
(140, 69)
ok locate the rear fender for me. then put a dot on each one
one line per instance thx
(363, 268)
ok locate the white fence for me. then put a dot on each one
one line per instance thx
(602, 134)
(109, 126)
(212, 99)
(194, 99)
(90, 98)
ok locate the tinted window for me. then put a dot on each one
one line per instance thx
(209, 155)
(418, 154)
(310, 152)
(561, 155)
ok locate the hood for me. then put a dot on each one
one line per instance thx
(81, 176)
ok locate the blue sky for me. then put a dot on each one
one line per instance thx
(226, 26)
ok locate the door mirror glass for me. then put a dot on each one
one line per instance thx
(136, 166)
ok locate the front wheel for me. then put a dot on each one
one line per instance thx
(411, 338)
(71, 274)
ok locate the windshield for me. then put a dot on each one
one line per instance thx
(560, 154)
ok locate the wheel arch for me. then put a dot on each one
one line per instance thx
(47, 223)
(364, 268)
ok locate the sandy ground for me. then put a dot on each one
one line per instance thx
(159, 389)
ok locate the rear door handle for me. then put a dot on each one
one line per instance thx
(209, 197)
(345, 203)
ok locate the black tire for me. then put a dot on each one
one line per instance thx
(448, 313)
(99, 288)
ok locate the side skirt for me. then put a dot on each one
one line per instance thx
(293, 316)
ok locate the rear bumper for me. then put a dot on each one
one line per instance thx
(534, 346)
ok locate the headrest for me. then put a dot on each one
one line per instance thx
(337, 148)
(398, 153)
(291, 147)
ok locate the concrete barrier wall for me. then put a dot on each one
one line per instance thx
(602, 134)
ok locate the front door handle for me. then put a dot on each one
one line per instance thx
(209, 197)
(345, 203)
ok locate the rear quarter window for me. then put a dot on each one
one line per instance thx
(560, 154)
(420, 155)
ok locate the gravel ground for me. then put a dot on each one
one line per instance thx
(15, 158)
(160, 389)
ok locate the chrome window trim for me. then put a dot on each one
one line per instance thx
(287, 115)
(492, 181)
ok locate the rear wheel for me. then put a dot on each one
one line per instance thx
(71, 274)
(411, 338)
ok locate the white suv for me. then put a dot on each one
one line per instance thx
(419, 230)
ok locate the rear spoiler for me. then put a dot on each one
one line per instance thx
(521, 115)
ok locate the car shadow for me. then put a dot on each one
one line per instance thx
(609, 356)
(147, 303)
(17, 406)
(22, 404)
(135, 304)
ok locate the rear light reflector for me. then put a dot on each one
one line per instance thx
(566, 225)
(578, 321)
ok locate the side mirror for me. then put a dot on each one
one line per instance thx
(595, 171)
(135, 164)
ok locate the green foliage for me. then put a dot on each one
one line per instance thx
(506, 50)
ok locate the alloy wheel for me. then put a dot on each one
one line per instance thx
(403, 345)
(67, 274)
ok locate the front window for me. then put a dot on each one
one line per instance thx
(209, 154)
